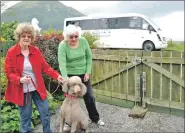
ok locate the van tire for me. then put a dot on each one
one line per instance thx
(148, 46)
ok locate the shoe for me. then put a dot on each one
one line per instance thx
(66, 127)
(101, 123)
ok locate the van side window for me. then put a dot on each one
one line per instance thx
(111, 23)
(88, 24)
(135, 23)
(106, 23)
(101, 23)
(76, 23)
(145, 24)
(122, 23)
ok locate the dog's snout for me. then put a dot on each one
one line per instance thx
(77, 89)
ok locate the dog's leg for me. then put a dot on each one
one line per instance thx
(73, 126)
(85, 125)
(61, 124)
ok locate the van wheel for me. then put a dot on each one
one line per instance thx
(148, 46)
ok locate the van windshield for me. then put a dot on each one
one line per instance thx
(159, 29)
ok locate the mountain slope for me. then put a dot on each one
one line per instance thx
(48, 13)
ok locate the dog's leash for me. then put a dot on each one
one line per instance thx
(65, 94)
(56, 88)
(59, 84)
(28, 92)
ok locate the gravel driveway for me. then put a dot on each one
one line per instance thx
(116, 120)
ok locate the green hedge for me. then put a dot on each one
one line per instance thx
(7, 30)
(5, 46)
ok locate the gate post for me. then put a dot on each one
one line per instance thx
(139, 111)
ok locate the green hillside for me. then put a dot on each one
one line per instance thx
(48, 13)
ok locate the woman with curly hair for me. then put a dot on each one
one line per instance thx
(24, 65)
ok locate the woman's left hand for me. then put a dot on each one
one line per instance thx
(86, 77)
(61, 79)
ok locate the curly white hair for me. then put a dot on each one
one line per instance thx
(71, 29)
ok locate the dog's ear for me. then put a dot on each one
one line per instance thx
(65, 86)
(83, 89)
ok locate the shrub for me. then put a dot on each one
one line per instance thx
(10, 116)
(175, 46)
(2, 40)
(91, 39)
(9, 112)
(50, 31)
(3, 77)
(7, 30)
(48, 44)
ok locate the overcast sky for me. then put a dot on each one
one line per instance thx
(168, 15)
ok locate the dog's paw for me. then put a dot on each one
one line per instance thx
(84, 131)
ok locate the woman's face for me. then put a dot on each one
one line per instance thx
(25, 39)
(73, 38)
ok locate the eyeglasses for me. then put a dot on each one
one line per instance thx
(71, 37)
(24, 36)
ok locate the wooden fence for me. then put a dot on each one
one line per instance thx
(117, 75)
(126, 77)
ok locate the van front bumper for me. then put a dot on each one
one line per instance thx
(162, 45)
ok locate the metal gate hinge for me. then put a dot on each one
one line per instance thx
(137, 60)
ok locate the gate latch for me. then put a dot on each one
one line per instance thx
(136, 60)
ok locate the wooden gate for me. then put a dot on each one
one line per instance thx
(117, 75)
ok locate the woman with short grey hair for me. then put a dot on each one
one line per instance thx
(75, 59)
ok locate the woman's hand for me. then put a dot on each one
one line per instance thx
(25, 79)
(86, 77)
(61, 79)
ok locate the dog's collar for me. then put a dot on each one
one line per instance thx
(69, 96)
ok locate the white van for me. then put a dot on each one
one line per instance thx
(131, 30)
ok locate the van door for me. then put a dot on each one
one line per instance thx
(148, 33)
(135, 33)
(139, 33)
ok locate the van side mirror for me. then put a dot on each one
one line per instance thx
(150, 28)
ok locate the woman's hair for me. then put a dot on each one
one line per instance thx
(24, 27)
(71, 29)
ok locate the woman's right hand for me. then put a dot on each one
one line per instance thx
(25, 79)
